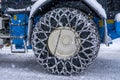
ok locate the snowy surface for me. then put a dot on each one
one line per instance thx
(24, 66)
(97, 7)
(15, 10)
(117, 17)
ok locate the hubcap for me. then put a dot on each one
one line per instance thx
(64, 42)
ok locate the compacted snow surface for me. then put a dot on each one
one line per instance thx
(24, 66)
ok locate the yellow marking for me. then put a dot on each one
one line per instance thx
(15, 17)
(109, 21)
(100, 23)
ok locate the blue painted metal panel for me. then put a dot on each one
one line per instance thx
(113, 29)
(117, 26)
(18, 28)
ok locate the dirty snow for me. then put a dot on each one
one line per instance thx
(24, 66)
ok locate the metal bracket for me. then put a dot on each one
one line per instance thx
(19, 50)
(107, 38)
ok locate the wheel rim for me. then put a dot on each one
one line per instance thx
(64, 42)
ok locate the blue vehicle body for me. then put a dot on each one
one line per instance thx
(19, 27)
(112, 26)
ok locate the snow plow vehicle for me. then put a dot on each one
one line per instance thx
(65, 35)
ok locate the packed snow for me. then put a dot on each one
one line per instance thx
(15, 10)
(21, 66)
(117, 17)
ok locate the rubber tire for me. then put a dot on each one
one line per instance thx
(88, 33)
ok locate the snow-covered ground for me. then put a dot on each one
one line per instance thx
(24, 66)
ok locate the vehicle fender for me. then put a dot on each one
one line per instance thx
(38, 5)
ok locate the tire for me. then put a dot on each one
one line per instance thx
(86, 40)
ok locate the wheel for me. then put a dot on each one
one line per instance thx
(65, 41)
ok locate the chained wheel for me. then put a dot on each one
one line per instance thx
(65, 41)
